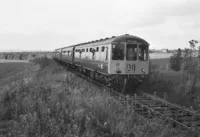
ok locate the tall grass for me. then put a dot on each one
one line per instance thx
(183, 90)
(59, 104)
(157, 81)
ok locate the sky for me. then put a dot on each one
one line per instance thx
(50, 24)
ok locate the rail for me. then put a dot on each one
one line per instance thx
(168, 103)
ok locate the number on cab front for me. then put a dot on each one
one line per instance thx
(130, 67)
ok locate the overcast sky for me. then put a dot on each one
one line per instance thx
(50, 24)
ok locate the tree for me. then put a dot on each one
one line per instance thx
(199, 52)
(176, 60)
(190, 67)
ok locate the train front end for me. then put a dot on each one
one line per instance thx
(129, 60)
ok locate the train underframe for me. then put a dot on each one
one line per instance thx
(118, 82)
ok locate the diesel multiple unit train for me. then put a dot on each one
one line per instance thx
(119, 61)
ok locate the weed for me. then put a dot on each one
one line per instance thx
(60, 104)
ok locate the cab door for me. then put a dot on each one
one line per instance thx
(131, 57)
(117, 58)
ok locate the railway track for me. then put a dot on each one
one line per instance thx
(150, 106)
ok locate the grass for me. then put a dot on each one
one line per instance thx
(8, 67)
(57, 103)
(167, 84)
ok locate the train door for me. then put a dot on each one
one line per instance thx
(131, 57)
(103, 58)
(60, 53)
(97, 53)
(117, 58)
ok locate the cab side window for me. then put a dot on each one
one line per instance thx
(143, 52)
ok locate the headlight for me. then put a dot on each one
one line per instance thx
(143, 70)
(118, 70)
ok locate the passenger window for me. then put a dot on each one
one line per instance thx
(97, 49)
(131, 52)
(102, 49)
(106, 53)
(69, 53)
(87, 50)
(92, 50)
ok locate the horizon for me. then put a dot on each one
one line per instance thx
(51, 24)
(52, 50)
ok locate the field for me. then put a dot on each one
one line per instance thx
(160, 55)
(10, 71)
(8, 66)
(166, 81)
(54, 102)
(43, 99)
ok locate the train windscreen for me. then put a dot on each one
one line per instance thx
(131, 52)
(118, 51)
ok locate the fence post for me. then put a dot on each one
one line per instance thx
(127, 104)
(165, 97)
(154, 97)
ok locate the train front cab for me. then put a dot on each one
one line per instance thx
(129, 61)
(129, 58)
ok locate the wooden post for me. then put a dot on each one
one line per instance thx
(127, 104)
(154, 97)
(165, 98)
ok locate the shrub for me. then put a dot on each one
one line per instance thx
(154, 72)
(190, 69)
(42, 61)
(176, 60)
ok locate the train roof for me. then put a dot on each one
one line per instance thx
(58, 49)
(122, 38)
(127, 37)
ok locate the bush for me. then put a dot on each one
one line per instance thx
(42, 61)
(190, 70)
(176, 60)
(154, 72)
